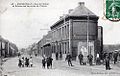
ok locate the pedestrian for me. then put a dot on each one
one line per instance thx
(27, 62)
(104, 57)
(23, 62)
(107, 62)
(90, 58)
(19, 54)
(43, 62)
(48, 62)
(80, 57)
(31, 61)
(60, 55)
(97, 60)
(69, 58)
(115, 56)
(20, 62)
(56, 55)
(51, 59)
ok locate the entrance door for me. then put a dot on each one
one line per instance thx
(82, 47)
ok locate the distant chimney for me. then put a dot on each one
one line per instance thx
(70, 10)
(61, 17)
(81, 3)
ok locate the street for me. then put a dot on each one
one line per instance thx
(60, 68)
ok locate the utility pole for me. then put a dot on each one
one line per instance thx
(88, 33)
(70, 36)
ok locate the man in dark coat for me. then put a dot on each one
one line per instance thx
(69, 58)
(60, 55)
(115, 56)
(90, 58)
(50, 59)
(56, 55)
(20, 63)
(43, 62)
(27, 62)
(107, 62)
(80, 57)
(48, 62)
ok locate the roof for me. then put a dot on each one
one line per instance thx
(80, 11)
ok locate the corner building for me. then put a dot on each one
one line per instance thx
(73, 31)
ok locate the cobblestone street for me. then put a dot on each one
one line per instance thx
(60, 68)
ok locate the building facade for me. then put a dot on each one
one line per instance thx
(7, 48)
(74, 33)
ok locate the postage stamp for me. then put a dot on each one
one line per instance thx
(113, 10)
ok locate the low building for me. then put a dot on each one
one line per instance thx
(44, 45)
(7, 48)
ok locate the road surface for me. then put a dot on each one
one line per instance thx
(60, 68)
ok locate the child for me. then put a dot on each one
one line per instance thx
(31, 62)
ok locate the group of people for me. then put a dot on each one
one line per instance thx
(80, 57)
(98, 60)
(83, 62)
(110, 57)
(47, 61)
(113, 56)
(25, 62)
(105, 60)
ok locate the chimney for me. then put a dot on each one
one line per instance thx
(81, 3)
(70, 10)
(61, 17)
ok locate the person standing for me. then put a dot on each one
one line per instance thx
(31, 62)
(90, 58)
(97, 60)
(69, 58)
(56, 54)
(20, 62)
(60, 55)
(80, 57)
(50, 59)
(23, 62)
(27, 62)
(107, 62)
(19, 54)
(115, 56)
(48, 62)
(43, 62)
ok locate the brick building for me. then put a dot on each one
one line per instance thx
(75, 32)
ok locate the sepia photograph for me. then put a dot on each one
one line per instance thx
(59, 38)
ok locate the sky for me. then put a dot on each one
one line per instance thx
(24, 26)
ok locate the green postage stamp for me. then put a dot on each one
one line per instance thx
(113, 10)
